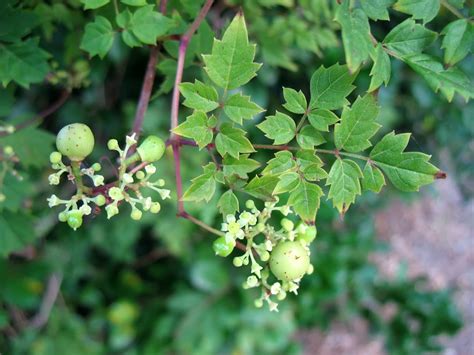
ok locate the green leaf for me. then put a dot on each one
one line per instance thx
(282, 162)
(239, 107)
(16, 23)
(230, 64)
(147, 24)
(344, 181)
(310, 165)
(23, 62)
(448, 82)
(322, 119)
(228, 203)
(409, 38)
(196, 127)
(35, 153)
(376, 9)
(308, 137)
(330, 87)
(425, 10)
(98, 37)
(357, 125)
(355, 35)
(295, 100)
(240, 167)
(373, 179)
(232, 140)
(203, 186)
(199, 96)
(305, 200)
(406, 170)
(123, 20)
(134, 2)
(17, 232)
(262, 187)
(280, 127)
(287, 182)
(94, 4)
(381, 70)
(458, 40)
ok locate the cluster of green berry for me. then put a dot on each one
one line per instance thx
(278, 258)
(76, 142)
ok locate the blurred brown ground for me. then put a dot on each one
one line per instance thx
(433, 236)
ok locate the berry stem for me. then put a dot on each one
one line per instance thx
(76, 171)
(183, 46)
(207, 227)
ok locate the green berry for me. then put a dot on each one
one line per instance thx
(306, 233)
(155, 207)
(112, 144)
(222, 247)
(75, 141)
(289, 261)
(151, 149)
(140, 175)
(287, 224)
(136, 214)
(258, 303)
(237, 261)
(100, 200)
(264, 255)
(55, 157)
(96, 167)
(74, 219)
(62, 216)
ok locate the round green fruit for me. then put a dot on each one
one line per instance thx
(289, 261)
(55, 157)
(74, 219)
(75, 141)
(151, 149)
(222, 247)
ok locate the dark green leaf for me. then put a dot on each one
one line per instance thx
(344, 181)
(240, 167)
(239, 107)
(199, 96)
(322, 119)
(295, 100)
(308, 137)
(373, 179)
(262, 187)
(98, 37)
(305, 200)
(232, 140)
(228, 203)
(288, 182)
(196, 127)
(203, 186)
(424, 10)
(409, 38)
(377, 9)
(282, 162)
(458, 40)
(381, 70)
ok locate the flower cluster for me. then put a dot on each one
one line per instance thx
(131, 183)
(278, 257)
(135, 172)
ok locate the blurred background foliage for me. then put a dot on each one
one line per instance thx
(154, 286)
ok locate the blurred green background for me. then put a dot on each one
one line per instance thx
(154, 286)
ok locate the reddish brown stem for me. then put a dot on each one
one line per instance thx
(145, 93)
(183, 46)
(42, 115)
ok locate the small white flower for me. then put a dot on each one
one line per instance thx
(252, 281)
(164, 193)
(147, 203)
(273, 306)
(53, 200)
(256, 268)
(275, 288)
(53, 179)
(232, 228)
(150, 169)
(127, 178)
(268, 245)
(98, 180)
(130, 140)
(85, 209)
(293, 287)
(111, 210)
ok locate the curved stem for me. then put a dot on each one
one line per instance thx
(317, 150)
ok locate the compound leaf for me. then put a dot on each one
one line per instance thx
(344, 181)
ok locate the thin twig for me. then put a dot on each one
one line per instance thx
(42, 115)
(145, 93)
(453, 10)
(49, 298)
(183, 46)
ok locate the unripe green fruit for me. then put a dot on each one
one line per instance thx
(287, 224)
(96, 167)
(55, 157)
(100, 200)
(62, 216)
(289, 261)
(307, 235)
(136, 214)
(151, 149)
(75, 141)
(237, 261)
(222, 247)
(74, 219)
